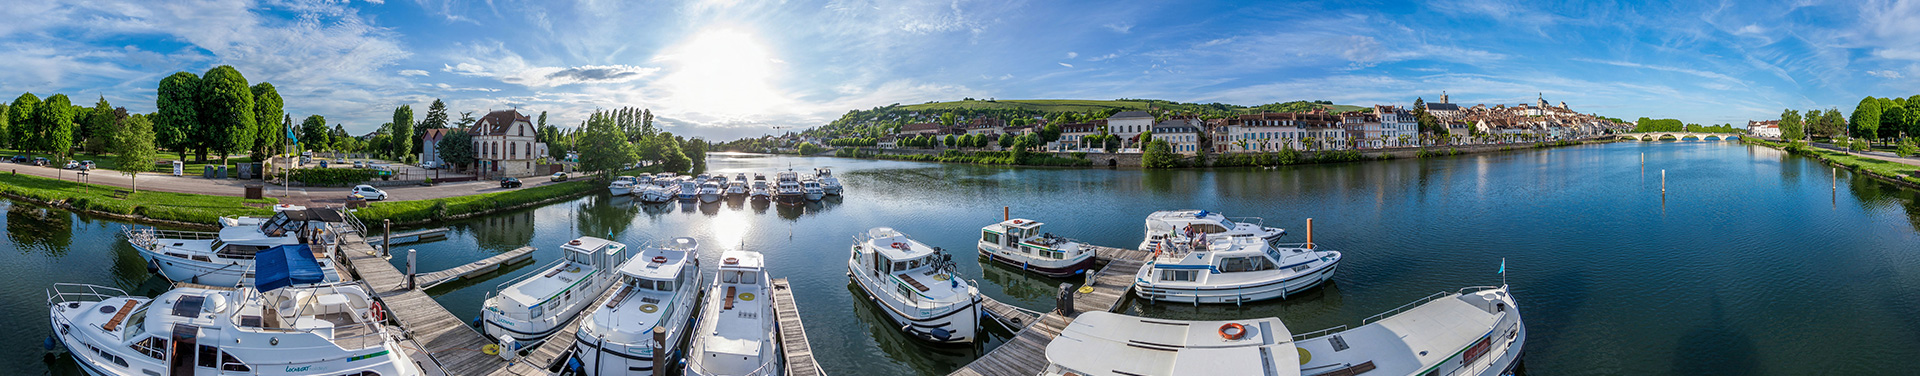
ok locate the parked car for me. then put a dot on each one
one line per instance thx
(72, 164)
(430, 165)
(559, 176)
(41, 161)
(509, 183)
(21, 159)
(369, 192)
(86, 165)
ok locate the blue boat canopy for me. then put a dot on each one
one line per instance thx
(286, 265)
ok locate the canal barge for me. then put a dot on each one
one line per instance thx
(916, 285)
(226, 258)
(829, 184)
(1020, 243)
(656, 289)
(1224, 269)
(525, 310)
(737, 333)
(1162, 223)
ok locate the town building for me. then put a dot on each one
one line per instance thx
(430, 146)
(1764, 128)
(1183, 134)
(916, 129)
(504, 145)
(1129, 125)
(1274, 131)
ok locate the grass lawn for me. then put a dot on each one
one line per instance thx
(157, 205)
(107, 161)
(418, 211)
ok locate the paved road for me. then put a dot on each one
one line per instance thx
(1880, 155)
(232, 187)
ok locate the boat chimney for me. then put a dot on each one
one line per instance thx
(1309, 233)
(1006, 213)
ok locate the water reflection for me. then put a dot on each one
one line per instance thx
(604, 216)
(39, 229)
(898, 346)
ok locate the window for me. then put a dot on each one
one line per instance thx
(228, 363)
(208, 356)
(1178, 275)
(152, 347)
(663, 285)
(536, 311)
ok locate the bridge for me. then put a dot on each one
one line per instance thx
(1680, 136)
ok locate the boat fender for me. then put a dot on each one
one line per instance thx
(574, 364)
(1233, 331)
(48, 344)
(476, 324)
(942, 334)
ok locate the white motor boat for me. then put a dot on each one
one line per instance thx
(787, 189)
(525, 310)
(1223, 269)
(737, 189)
(241, 221)
(1166, 222)
(319, 330)
(812, 190)
(828, 183)
(226, 258)
(1474, 333)
(656, 289)
(689, 190)
(737, 333)
(642, 179)
(1019, 243)
(620, 187)
(702, 178)
(761, 192)
(916, 285)
(711, 190)
(653, 193)
(663, 178)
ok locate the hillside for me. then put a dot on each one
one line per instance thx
(885, 120)
(1040, 105)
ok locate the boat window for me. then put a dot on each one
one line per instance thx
(731, 276)
(1178, 275)
(900, 265)
(228, 363)
(746, 279)
(1236, 264)
(208, 356)
(915, 264)
(536, 311)
(644, 284)
(990, 237)
(136, 324)
(1208, 228)
(152, 347)
(663, 285)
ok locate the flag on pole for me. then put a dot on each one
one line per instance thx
(1503, 265)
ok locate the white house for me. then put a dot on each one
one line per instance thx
(1129, 124)
(1183, 134)
(1766, 129)
(504, 144)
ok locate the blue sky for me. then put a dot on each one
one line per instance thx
(726, 69)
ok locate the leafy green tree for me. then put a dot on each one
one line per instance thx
(1428, 123)
(1891, 119)
(226, 113)
(947, 119)
(268, 109)
(436, 119)
(133, 148)
(53, 126)
(1005, 141)
(400, 144)
(6, 136)
(671, 158)
(456, 148)
(466, 120)
(313, 133)
(1866, 118)
(1791, 127)
(102, 123)
(1159, 154)
(696, 151)
(20, 117)
(950, 141)
(177, 113)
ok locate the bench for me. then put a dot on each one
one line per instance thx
(121, 193)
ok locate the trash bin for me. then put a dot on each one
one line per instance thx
(221, 173)
(254, 191)
(207, 173)
(246, 171)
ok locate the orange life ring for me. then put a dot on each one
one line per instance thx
(378, 314)
(730, 261)
(1232, 331)
(898, 246)
(659, 259)
(1016, 221)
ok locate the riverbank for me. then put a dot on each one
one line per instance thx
(421, 212)
(166, 208)
(1902, 174)
(1239, 159)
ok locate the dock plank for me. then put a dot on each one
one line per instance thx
(428, 281)
(793, 334)
(1026, 353)
(450, 344)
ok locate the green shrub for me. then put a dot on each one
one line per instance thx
(333, 177)
(1859, 144)
(1909, 148)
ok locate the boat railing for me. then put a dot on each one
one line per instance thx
(80, 292)
(1404, 307)
(1256, 221)
(767, 363)
(1318, 333)
(1474, 289)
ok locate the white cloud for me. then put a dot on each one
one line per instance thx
(1885, 74)
(1066, 65)
(413, 72)
(1071, 54)
(1694, 72)
(1119, 27)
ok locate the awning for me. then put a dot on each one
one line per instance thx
(286, 265)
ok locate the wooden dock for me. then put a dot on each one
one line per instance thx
(1026, 353)
(1009, 316)
(554, 349)
(430, 280)
(415, 236)
(450, 344)
(793, 334)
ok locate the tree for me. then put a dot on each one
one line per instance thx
(226, 113)
(1890, 121)
(466, 120)
(53, 126)
(313, 133)
(436, 119)
(1831, 123)
(133, 148)
(1791, 127)
(947, 119)
(101, 124)
(951, 141)
(1428, 123)
(5, 137)
(1005, 141)
(177, 112)
(20, 121)
(543, 120)
(456, 148)
(400, 144)
(605, 147)
(696, 151)
(268, 108)
(1866, 118)
(671, 158)
(1159, 154)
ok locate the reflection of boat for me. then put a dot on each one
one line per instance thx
(710, 191)
(657, 288)
(917, 286)
(812, 189)
(226, 258)
(1019, 242)
(828, 183)
(1222, 269)
(1476, 333)
(327, 329)
(787, 188)
(1167, 222)
(535, 305)
(737, 328)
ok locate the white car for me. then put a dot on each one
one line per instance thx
(369, 192)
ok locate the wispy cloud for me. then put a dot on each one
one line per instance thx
(413, 72)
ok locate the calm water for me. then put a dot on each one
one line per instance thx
(1752, 263)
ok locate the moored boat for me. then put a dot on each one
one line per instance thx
(1165, 222)
(525, 310)
(812, 190)
(761, 192)
(787, 189)
(710, 191)
(737, 189)
(737, 333)
(1476, 331)
(621, 186)
(916, 286)
(828, 183)
(656, 289)
(689, 189)
(226, 258)
(1020, 243)
(653, 193)
(1223, 269)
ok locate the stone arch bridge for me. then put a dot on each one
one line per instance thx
(1679, 136)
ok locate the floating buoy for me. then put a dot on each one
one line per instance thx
(490, 349)
(48, 344)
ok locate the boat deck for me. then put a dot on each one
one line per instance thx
(793, 334)
(430, 280)
(451, 344)
(1026, 353)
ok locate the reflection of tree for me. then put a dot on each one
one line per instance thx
(501, 231)
(599, 216)
(129, 269)
(1018, 284)
(37, 228)
(1872, 193)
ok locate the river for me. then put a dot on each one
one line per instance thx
(1746, 265)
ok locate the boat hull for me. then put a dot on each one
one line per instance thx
(709, 197)
(815, 196)
(1057, 271)
(619, 191)
(211, 274)
(604, 358)
(791, 199)
(961, 324)
(1240, 294)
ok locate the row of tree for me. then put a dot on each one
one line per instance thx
(219, 112)
(1796, 125)
(1884, 118)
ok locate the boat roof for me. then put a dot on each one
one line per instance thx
(1410, 341)
(882, 239)
(550, 282)
(1019, 223)
(589, 244)
(740, 331)
(671, 260)
(321, 215)
(1103, 343)
(748, 260)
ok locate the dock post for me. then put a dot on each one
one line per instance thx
(386, 237)
(659, 347)
(1663, 181)
(1065, 298)
(1309, 233)
(410, 272)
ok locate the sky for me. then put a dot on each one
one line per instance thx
(725, 69)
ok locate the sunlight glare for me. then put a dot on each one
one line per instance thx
(722, 72)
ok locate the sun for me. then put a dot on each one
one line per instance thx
(722, 72)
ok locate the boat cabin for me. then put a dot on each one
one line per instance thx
(917, 271)
(1111, 344)
(311, 226)
(1025, 235)
(586, 257)
(1187, 262)
(650, 283)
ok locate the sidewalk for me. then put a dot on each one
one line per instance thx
(1885, 156)
(305, 196)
